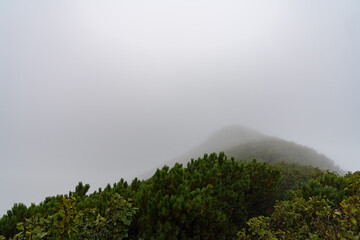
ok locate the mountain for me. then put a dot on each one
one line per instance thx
(183, 201)
(244, 143)
(274, 150)
(220, 141)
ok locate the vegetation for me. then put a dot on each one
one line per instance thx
(213, 191)
(327, 207)
(211, 198)
(274, 150)
(245, 144)
(70, 217)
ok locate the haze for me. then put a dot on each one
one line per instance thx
(98, 91)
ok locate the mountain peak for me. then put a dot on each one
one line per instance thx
(233, 135)
(245, 143)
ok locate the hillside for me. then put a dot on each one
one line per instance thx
(245, 144)
(221, 140)
(276, 150)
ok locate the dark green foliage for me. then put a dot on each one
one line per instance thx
(294, 174)
(8, 222)
(211, 198)
(214, 191)
(70, 223)
(80, 190)
(327, 207)
(101, 215)
(264, 188)
(329, 186)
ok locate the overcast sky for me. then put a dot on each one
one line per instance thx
(94, 91)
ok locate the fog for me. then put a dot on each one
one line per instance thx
(97, 91)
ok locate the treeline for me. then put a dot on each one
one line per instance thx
(211, 198)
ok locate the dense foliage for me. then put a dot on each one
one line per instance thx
(178, 203)
(327, 207)
(211, 198)
(70, 220)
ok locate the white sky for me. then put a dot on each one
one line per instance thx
(94, 91)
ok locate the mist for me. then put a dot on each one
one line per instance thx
(95, 92)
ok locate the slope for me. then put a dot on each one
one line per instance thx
(220, 141)
(244, 143)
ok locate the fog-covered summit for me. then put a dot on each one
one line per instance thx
(244, 143)
(220, 141)
(230, 136)
(274, 150)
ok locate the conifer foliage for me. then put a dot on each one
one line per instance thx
(211, 198)
(327, 207)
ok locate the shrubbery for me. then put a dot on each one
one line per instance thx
(211, 198)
